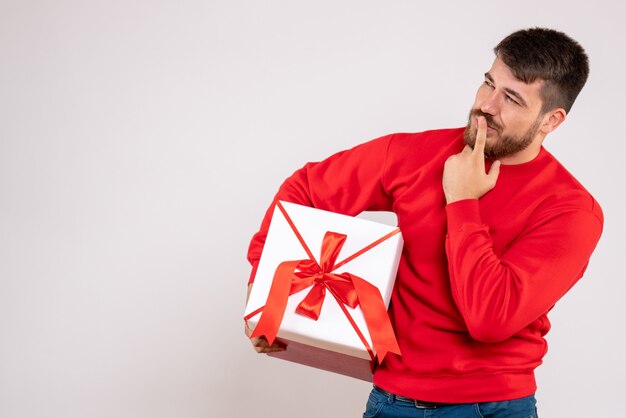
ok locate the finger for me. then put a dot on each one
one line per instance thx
(262, 346)
(261, 342)
(494, 172)
(276, 350)
(481, 137)
(272, 349)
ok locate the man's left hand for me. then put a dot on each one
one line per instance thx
(464, 174)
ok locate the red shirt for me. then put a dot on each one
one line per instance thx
(477, 277)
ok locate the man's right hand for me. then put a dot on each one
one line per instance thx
(260, 344)
(464, 174)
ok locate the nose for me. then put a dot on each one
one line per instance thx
(490, 104)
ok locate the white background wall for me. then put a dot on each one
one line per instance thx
(141, 141)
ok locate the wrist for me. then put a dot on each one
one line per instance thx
(462, 212)
(452, 198)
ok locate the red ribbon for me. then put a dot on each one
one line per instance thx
(293, 276)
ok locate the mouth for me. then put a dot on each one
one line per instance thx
(492, 126)
(491, 129)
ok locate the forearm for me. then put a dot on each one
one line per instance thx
(498, 295)
(348, 182)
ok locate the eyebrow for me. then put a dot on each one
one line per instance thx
(509, 91)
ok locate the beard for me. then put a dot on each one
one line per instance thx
(504, 145)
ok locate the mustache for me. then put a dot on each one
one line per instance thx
(492, 124)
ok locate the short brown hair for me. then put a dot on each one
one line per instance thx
(547, 55)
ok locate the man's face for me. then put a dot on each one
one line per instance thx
(512, 109)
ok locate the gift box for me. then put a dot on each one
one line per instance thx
(323, 285)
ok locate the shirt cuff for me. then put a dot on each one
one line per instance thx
(463, 212)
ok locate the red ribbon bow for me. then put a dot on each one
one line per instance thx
(296, 275)
(322, 278)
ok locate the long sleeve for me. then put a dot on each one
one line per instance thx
(499, 295)
(477, 278)
(348, 182)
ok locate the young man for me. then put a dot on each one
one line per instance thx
(496, 231)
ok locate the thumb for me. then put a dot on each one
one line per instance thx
(494, 171)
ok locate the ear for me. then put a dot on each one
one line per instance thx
(552, 120)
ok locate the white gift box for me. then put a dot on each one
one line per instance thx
(330, 343)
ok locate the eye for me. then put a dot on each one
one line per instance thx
(511, 99)
(488, 84)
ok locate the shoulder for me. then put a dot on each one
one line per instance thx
(431, 136)
(426, 144)
(567, 194)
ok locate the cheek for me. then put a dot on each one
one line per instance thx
(511, 120)
(516, 119)
(516, 123)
